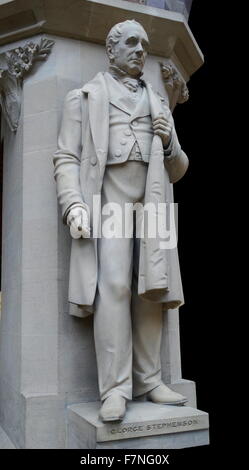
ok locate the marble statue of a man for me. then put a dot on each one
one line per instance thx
(115, 133)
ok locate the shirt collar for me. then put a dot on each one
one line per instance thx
(123, 76)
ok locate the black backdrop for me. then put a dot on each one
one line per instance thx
(196, 194)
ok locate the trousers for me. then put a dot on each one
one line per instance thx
(127, 328)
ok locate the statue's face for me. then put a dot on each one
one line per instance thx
(130, 52)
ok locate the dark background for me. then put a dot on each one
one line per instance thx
(198, 195)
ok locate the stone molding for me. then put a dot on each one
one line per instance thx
(182, 6)
(175, 86)
(168, 31)
(19, 62)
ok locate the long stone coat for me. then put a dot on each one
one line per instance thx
(79, 169)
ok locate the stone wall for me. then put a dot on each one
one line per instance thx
(181, 6)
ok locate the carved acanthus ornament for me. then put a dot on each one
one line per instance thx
(175, 86)
(18, 63)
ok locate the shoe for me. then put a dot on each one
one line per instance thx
(164, 396)
(113, 408)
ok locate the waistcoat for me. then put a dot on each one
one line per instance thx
(130, 125)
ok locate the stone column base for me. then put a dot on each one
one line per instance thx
(145, 426)
(5, 442)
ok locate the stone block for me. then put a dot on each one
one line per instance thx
(5, 442)
(40, 301)
(12, 412)
(39, 95)
(77, 363)
(39, 363)
(173, 426)
(68, 58)
(156, 3)
(40, 131)
(45, 422)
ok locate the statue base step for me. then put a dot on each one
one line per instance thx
(145, 426)
(5, 442)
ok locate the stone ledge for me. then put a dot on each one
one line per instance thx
(143, 420)
(169, 32)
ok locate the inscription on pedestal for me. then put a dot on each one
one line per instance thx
(143, 419)
(154, 427)
(129, 430)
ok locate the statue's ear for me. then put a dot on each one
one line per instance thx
(110, 52)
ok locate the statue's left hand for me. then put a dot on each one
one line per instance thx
(163, 128)
(78, 221)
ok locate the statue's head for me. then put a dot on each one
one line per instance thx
(127, 45)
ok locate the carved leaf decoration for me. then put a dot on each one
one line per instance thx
(19, 62)
(46, 45)
(175, 86)
(44, 49)
(10, 99)
(3, 74)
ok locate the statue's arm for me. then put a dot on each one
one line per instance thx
(68, 155)
(176, 160)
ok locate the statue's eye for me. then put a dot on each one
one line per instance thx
(145, 45)
(132, 41)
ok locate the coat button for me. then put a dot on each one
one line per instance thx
(123, 141)
(127, 132)
(93, 160)
(135, 123)
(118, 153)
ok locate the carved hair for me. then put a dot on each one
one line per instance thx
(115, 33)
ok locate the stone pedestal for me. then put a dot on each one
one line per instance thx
(145, 426)
(47, 358)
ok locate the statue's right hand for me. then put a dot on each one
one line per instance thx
(78, 221)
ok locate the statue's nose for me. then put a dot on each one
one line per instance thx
(139, 49)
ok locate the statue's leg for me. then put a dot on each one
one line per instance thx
(112, 321)
(112, 318)
(147, 334)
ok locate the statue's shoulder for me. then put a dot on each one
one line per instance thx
(95, 84)
(73, 95)
(76, 93)
(162, 98)
(72, 104)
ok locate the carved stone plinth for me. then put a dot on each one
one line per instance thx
(145, 426)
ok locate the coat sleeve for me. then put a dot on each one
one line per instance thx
(68, 155)
(176, 160)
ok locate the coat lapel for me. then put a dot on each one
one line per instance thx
(120, 97)
(117, 95)
(155, 102)
(98, 115)
(143, 106)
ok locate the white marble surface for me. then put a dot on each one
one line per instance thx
(5, 442)
(142, 420)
